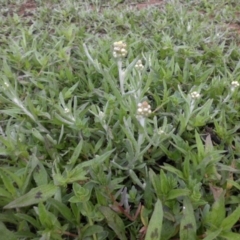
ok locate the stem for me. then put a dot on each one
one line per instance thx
(141, 135)
(192, 105)
(139, 86)
(140, 139)
(121, 76)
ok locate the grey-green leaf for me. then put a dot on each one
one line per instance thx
(34, 196)
(155, 224)
(5, 233)
(114, 222)
(213, 235)
(229, 221)
(188, 223)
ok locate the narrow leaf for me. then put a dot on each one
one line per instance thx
(36, 195)
(229, 221)
(175, 193)
(62, 208)
(217, 214)
(96, 160)
(114, 222)
(76, 153)
(188, 223)
(29, 219)
(6, 234)
(230, 235)
(155, 224)
(208, 144)
(213, 235)
(173, 170)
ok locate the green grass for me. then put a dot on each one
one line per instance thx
(78, 162)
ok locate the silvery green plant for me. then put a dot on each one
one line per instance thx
(192, 114)
(12, 97)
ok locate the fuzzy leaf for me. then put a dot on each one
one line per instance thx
(5, 233)
(217, 214)
(76, 153)
(175, 193)
(230, 235)
(36, 195)
(155, 224)
(62, 208)
(229, 221)
(114, 222)
(188, 223)
(213, 235)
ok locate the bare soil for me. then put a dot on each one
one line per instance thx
(27, 8)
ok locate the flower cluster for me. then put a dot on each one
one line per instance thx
(195, 95)
(160, 131)
(139, 65)
(119, 49)
(144, 109)
(234, 84)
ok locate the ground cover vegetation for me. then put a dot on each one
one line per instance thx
(119, 123)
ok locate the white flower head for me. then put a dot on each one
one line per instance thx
(195, 95)
(139, 65)
(101, 115)
(119, 49)
(235, 84)
(6, 84)
(66, 110)
(144, 109)
(160, 131)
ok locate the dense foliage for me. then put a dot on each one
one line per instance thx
(119, 123)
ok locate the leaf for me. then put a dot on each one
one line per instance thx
(28, 173)
(37, 135)
(154, 180)
(235, 184)
(47, 219)
(200, 146)
(217, 214)
(96, 160)
(114, 222)
(8, 217)
(229, 221)
(94, 229)
(175, 193)
(29, 219)
(62, 208)
(40, 175)
(4, 193)
(13, 176)
(188, 225)
(76, 153)
(213, 235)
(208, 144)
(163, 183)
(69, 92)
(36, 195)
(77, 174)
(168, 229)
(155, 225)
(172, 169)
(8, 183)
(6, 234)
(230, 235)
